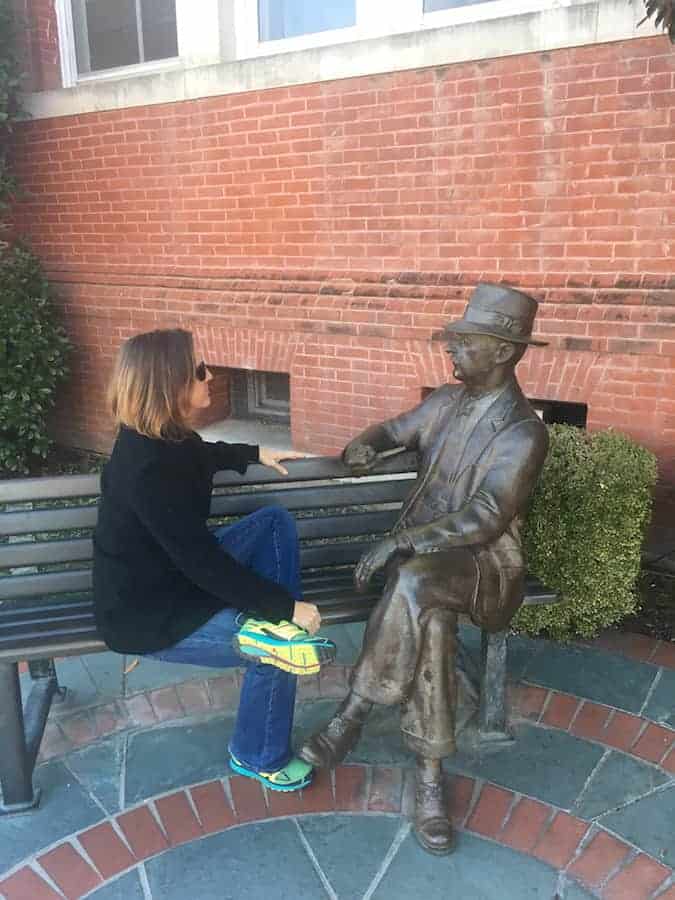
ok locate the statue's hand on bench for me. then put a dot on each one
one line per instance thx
(359, 457)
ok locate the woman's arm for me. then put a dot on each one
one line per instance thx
(165, 505)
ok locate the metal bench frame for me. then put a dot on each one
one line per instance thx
(46, 609)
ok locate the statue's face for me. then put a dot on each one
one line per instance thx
(474, 356)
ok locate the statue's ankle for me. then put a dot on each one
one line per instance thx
(429, 770)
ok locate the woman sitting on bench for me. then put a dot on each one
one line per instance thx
(167, 587)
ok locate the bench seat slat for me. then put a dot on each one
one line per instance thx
(54, 648)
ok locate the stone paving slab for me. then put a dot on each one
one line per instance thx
(164, 758)
(98, 769)
(128, 887)
(259, 862)
(479, 870)
(350, 849)
(661, 703)
(592, 673)
(648, 823)
(618, 780)
(65, 807)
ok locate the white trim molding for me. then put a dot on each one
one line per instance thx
(539, 25)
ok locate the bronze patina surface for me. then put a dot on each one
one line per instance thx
(456, 547)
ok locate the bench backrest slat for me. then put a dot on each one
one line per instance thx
(35, 553)
(312, 497)
(336, 520)
(17, 490)
(41, 520)
(70, 580)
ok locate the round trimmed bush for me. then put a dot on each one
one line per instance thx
(584, 530)
(33, 350)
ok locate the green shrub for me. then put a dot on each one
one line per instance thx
(10, 103)
(584, 530)
(33, 351)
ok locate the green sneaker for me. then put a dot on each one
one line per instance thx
(284, 645)
(294, 776)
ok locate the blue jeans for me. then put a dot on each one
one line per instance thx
(267, 542)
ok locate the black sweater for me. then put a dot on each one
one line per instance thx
(159, 573)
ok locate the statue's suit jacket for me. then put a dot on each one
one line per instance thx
(470, 492)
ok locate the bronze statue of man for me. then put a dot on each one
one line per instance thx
(456, 547)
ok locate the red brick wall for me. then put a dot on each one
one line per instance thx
(328, 230)
(39, 43)
(219, 391)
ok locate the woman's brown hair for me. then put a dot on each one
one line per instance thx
(151, 382)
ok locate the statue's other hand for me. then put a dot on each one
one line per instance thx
(360, 457)
(372, 561)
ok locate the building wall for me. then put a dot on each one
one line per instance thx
(39, 43)
(328, 230)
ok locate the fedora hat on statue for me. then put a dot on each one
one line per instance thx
(499, 311)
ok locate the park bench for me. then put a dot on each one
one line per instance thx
(45, 581)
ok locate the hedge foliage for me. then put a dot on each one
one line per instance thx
(584, 530)
(10, 104)
(33, 351)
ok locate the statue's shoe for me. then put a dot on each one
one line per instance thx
(328, 747)
(431, 825)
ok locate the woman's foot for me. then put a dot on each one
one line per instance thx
(284, 645)
(295, 775)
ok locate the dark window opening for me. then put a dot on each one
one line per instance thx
(561, 412)
(552, 412)
(262, 396)
(112, 33)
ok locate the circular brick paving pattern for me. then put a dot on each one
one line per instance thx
(604, 864)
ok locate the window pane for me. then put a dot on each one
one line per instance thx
(433, 5)
(290, 18)
(113, 38)
(159, 29)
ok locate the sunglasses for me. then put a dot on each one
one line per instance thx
(200, 371)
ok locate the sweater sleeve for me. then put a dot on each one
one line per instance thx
(166, 507)
(220, 455)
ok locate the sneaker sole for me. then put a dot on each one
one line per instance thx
(254, 650)
(249, 773)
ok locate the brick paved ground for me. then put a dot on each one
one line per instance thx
(138, 803)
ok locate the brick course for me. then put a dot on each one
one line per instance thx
(328, 230)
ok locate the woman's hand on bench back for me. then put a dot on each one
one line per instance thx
(272, 458)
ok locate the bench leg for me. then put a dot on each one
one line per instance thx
(16, 768)
(45, 668)
(492, 710)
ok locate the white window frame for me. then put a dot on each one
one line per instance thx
(70, 76)
(377, 18)
(227, 31)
